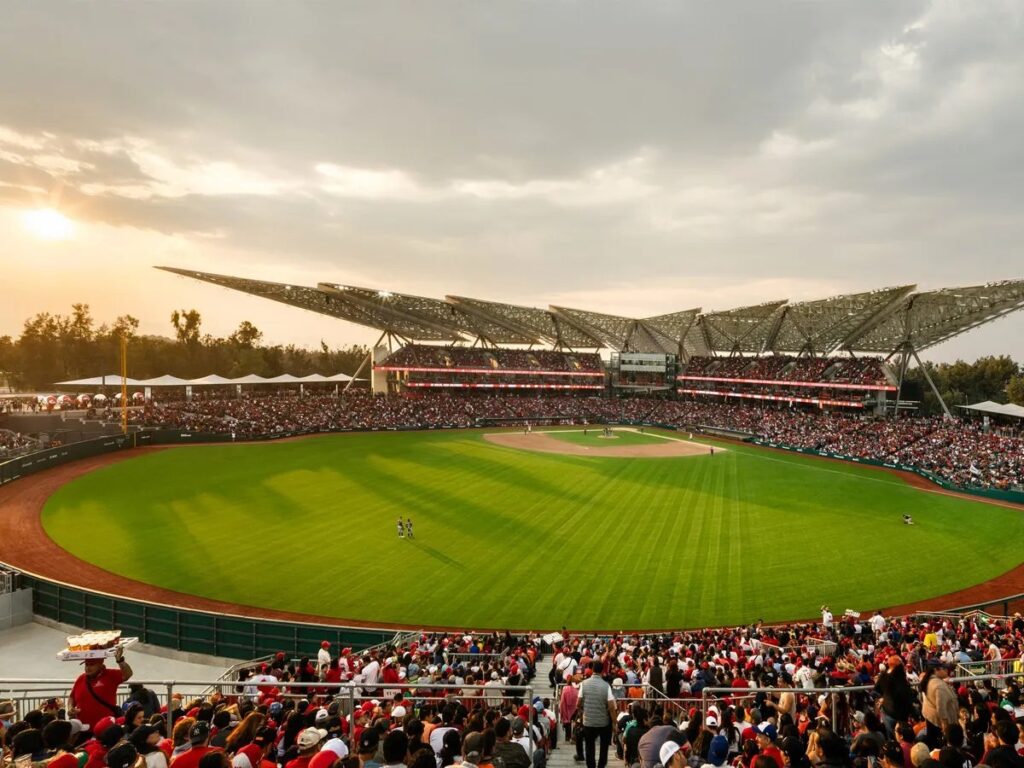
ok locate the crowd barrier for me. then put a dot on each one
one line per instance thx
(30, 693)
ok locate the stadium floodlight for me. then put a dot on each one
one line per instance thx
(385, 294)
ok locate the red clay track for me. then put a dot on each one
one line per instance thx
(24, 545)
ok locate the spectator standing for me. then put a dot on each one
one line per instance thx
(938, 702)
(94, 694)
(598, 704)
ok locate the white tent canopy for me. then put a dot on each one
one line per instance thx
(163, 381)
(109, 380)
(114, 380)
(212, 380)
(998, 409)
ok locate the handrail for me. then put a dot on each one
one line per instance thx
(353, 690)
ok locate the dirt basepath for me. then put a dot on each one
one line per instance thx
(543, 442)
(25, 546)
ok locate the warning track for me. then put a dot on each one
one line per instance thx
(25, 546)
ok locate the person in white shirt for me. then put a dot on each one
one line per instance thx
(827, 619)
(804, 677)
(370, 674)
(877, 624)
(323, 658)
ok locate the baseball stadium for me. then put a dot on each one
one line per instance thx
(499, 473)
(506, 509)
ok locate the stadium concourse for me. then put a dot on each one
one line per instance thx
(940, 691)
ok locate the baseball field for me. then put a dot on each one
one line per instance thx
(512, 531)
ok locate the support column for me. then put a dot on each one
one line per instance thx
(931, 383)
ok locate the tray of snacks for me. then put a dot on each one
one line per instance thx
(95, 645)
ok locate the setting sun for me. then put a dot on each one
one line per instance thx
(48, 224)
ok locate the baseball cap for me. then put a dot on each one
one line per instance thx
(310, 737)
(718, 752)
(337, 746)
(672, 744)
(768, 730)
(398, 713)
(368, 741)
(111, 735)
(122, 756)
(199, 732)
(101, 725)
(77, 727)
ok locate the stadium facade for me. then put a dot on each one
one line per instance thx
(896, 323)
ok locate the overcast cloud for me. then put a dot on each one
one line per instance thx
(638, 157)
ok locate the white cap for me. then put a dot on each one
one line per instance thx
(337, 746)
(668, 751)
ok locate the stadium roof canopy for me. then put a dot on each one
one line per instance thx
(888, 320)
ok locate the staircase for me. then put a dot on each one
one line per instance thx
(562, 757)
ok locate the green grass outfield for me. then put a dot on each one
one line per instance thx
(506, 538)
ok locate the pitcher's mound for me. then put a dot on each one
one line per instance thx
(542, 443)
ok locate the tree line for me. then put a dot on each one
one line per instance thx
(996, 378)
(55, 347)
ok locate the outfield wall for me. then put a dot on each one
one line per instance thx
(233, 637)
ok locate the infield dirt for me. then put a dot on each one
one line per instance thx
(542, 442)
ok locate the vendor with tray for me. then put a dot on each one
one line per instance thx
(94, 694)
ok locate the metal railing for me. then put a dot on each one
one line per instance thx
(31, 693)
(652, 699)
(10, 580)
(840, 700)
(988, 667)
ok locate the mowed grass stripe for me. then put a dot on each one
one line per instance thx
(508, 538)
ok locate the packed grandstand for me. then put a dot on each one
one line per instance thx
(960, 452)
(923, 691)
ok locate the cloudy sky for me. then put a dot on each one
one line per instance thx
(628, 157)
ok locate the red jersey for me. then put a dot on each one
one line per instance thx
(97, 698)
(191, 758)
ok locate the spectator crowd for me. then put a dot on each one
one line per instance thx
(853, 692)
(957, 451)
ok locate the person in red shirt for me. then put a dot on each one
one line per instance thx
(199, 738)
(107, 737)
(766, 735)
(308, 744)
(94, 694)
(255, 753)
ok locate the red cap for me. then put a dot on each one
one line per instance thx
(280, 656)
(325, 644)
(102, 725)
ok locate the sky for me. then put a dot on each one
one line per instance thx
(633, 158)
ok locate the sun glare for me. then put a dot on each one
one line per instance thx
(48, 224)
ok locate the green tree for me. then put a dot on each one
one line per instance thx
(247, 336)
(1014, 390)
(187, 324)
